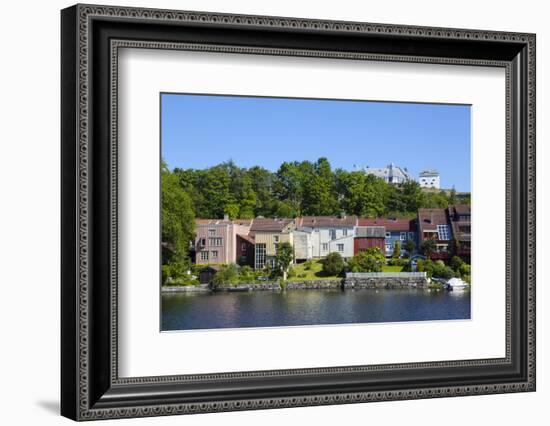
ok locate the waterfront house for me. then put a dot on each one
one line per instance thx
(367, 237)
(268, 234)
(461, 225)
(329, 234)
(434, 224)
(303, 245)
(395, 230)
(245, 250)
(216, 239)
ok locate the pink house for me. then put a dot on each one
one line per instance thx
(216, 239)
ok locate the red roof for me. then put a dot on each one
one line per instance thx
(389, 224)
(274, 225)
(326, 221)
(244, 222)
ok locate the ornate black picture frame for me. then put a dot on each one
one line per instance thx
(91, 387)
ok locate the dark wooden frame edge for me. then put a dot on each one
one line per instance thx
(90, 388)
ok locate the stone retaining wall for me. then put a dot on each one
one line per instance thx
(348, 283)
(185, 288)
(386, 283)
(314, 285)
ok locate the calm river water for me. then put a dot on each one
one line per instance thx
(187, 311)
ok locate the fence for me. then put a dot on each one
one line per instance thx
(386, 275)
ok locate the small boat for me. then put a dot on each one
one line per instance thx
(456, 284)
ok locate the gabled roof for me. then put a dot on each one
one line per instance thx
(249, 238)
(428, 219)
(370, 231)
(460, 209)
(326, 221)
(206, 222)
(390, 224)
(267, 225)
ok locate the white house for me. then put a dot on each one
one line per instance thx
(303, 244)
(429, 179)
(329, 234)
(391, 173)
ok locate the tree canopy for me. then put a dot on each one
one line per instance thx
(177, 222)
(300, 188)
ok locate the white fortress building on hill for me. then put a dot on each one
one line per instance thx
(429, 179)
(391, 173)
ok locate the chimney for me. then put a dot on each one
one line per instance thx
(431, 216)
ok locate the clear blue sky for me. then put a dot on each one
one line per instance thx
(201, 131)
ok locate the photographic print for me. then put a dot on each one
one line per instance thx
(282, 212)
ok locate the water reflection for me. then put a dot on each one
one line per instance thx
(187, 311)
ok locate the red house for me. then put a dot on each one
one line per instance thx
(367, 237)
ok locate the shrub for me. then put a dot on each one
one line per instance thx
(308, 265)
(465, 270)
(291, 273)
(246, 274)
(227, 275)
(456, 262)
(333, 264)
(396, 250)
(370, 260)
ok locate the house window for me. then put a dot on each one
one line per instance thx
(345, 232)
(214, 255)
(340, 247)
(411, 235)
(388, 247)
(443, 232)
(211, 232)
(333, 234)
(325, 246)
(260, 256)
(202, 242)
(243, 247)
(204, 255)
(403, 236)
(276, 246)
(388, 234)
(276, 238)
(216, 241)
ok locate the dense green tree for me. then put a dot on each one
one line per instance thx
(320, 196)
(370, 260)
(412, 194)
(333, 264)
(178, 223)
(410, 246)
(362, 194)
(284, 256)
(428, 248)
(261, 183)
(435, 200)
(302, 188)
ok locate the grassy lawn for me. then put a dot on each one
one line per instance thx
(387, 268)
(310, 274)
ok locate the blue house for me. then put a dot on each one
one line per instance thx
(396, 230)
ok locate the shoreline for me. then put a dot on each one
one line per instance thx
(377, 283)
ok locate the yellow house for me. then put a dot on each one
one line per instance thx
(268, 234)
